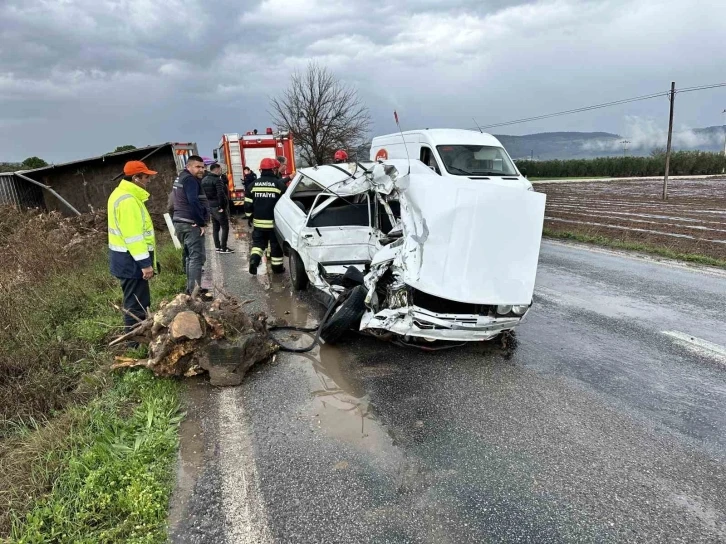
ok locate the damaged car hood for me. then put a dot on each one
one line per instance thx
(470, 241)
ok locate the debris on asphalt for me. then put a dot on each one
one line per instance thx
(189, 336)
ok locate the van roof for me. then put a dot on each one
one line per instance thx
(453, 136)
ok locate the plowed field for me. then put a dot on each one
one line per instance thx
(692, 220)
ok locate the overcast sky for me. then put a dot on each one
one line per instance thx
(79, 77)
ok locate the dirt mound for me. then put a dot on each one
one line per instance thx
(37, 244)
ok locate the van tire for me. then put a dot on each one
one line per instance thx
(346, 317)
(298, 275)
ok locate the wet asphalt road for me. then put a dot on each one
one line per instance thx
(605, 423)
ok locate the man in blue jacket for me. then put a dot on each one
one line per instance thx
(190, 217)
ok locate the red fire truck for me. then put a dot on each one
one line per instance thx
(235, 152)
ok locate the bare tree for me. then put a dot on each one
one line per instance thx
(322, 113)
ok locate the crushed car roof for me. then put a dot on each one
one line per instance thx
(350, 178)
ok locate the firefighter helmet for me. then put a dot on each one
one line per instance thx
(340, 156)
(269, 164)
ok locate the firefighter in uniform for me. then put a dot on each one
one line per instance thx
(264, 193)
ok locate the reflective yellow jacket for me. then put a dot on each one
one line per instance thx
(131, 241)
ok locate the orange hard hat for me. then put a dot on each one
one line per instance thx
(132, 168)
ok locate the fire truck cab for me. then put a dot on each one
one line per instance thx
(235, 152)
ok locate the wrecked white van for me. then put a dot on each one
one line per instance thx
(408, 257)
(453, 153)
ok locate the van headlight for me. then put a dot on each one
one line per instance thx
(520, 309)
(504, 309)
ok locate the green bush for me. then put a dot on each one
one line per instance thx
(683, 163)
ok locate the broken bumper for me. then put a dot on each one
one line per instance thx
(419, 323)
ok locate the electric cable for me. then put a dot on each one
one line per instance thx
(317, 330)
(601, 106)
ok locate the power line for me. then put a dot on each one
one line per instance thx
(690, 89)
(600, 106)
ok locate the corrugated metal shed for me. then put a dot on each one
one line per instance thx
(16, 192)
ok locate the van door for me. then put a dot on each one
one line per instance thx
(429, 159)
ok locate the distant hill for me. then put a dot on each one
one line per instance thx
(586, 145)
(558, 145)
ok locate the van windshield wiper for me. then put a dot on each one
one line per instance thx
(488, 173)
(460, 170)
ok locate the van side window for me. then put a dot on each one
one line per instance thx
(427, 157)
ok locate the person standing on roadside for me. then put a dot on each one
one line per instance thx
(216, 192)
(190, 217)
(282, 172)
(249, 178)
(131, 240)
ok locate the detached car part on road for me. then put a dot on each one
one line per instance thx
(410, 256)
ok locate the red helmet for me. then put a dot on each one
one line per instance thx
(340, 155)
(269, 164)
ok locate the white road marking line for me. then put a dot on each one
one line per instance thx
(245, 515)
(699, 346)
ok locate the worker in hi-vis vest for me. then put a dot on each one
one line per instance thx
(131, 241)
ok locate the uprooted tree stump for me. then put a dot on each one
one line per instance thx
(189, 336)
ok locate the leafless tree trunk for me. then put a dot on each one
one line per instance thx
(322, 113)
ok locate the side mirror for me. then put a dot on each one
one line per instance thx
(523, 171)
(215, 155)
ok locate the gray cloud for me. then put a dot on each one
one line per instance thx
(79, 77)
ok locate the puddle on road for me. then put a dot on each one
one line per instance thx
(339, 405)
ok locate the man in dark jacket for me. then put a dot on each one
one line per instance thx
(190, 217)
(249, 178)
(216, 192)
(260, 205)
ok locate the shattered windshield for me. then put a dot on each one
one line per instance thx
(476, 160)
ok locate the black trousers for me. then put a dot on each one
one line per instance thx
(260, 240)
(137, 298)
(220, 228)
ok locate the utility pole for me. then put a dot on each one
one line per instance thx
(672, 98)
(625, 147)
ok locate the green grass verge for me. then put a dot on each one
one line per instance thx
(78, 435)
(635, 246)
(118, 477)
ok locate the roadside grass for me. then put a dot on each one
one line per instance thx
(116, 476)
(61, 411)
(604, 241)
